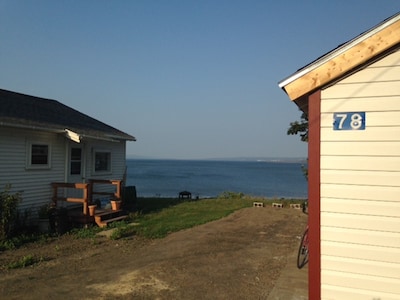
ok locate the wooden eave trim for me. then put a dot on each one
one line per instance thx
(346, 61)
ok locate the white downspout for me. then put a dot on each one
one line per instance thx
(66, 161)
(83, 160)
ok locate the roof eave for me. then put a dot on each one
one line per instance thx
(74, 135)
(31, 127)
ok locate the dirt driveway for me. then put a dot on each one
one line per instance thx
(238, 257)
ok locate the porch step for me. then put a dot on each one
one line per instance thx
(104, 223)
(103, 218)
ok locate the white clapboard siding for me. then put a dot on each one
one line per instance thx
(388, 61)
(32, 184)
(360, 186)
(118, 161)
(365, 163)
(374, 74)
(362, 222)
(348, 206)
(347, 191)
(374, 284)
(331, 292)
(349, 249)
(369, 104)
(359, 148)
(35, 184)
(365, 89)
(352, 236)
(383, 134)
(381, 178)
(118, 164)
(359, 266)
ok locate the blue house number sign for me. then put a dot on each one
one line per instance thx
(349, 121)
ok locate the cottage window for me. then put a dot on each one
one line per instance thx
(38, 156)
(102, 161)
(76, 161)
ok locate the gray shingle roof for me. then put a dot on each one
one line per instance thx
(19, 110)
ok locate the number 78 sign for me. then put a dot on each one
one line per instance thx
(349, 121)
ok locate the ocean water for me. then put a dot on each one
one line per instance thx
(166, 178)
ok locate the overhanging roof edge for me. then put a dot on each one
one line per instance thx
(340, 50)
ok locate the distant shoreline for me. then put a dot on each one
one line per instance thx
(237, 159)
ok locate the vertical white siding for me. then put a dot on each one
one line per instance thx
(360, 186)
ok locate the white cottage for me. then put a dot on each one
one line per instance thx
(352, 98)
(44, 141)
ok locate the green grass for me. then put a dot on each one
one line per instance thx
(157, 217)
(186, 215)
(25, 261)
(18, 241)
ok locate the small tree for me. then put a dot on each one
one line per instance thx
(8, 211)
(300, 128)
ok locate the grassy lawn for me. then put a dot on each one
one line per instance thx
(186, 214)
(157, 217)
(151, 218)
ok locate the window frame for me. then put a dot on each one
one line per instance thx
(108, 153)
(72, 161)
(38, 166)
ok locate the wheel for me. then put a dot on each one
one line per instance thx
(302, 256)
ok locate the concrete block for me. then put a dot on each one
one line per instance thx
(295, 206)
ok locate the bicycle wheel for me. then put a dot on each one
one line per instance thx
(302, 256)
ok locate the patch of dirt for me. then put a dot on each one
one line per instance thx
(237, 257)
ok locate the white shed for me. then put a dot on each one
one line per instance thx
(44, 141)
(352, 98)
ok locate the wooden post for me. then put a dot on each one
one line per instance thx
(85, 199)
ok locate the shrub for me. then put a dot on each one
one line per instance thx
(8, 212)
(45, 211)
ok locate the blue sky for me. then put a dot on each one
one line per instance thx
(189, 79)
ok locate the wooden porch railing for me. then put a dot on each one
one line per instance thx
(117, 183)
(88, 191)
(81, 186)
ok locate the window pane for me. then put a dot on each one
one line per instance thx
(76, 154)
(75, 167)
(102, 161)
(39, 154)
(76, 161)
